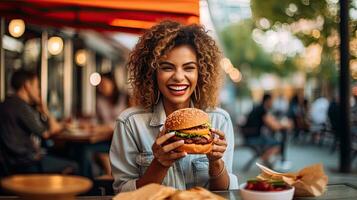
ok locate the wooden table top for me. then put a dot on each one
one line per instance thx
(42, 186)
(85, 136)
(340, 191)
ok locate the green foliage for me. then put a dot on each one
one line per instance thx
(277, 11)
(249, 56)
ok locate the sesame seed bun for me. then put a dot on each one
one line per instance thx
(196, 148)
(186, 118)
(190, 121)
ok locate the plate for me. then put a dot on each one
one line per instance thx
(46, 187)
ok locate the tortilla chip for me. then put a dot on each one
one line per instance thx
(148, 192)
(311, 181)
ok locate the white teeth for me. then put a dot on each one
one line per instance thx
(178, 88)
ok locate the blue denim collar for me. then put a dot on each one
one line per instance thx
(159, 116)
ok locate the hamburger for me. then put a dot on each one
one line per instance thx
(193, 126)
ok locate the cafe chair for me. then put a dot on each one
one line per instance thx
(7, 170)
(255, 149)
(257, 153)
(101, 187)
(4, 168)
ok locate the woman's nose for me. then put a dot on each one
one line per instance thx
(179, 75)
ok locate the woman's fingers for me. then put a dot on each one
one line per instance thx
(164, 137)
(216, 154)
(217, 148)
(172, 146)
(162, 132)
(219, 133)
(174, 156)
(220, 142)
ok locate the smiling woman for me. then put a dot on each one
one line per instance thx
(177, 75)
(172, 67)
(176, 46)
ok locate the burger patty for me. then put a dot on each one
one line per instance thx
(194, 140)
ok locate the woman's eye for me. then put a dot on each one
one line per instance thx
(166, 68)
(190, 68)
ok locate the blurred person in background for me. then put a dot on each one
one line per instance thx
(258, 118)
(354, 111)
(110, 103)
(298, 114)
(24, 121)
(318, 112)
(280, 106)
(333, 114)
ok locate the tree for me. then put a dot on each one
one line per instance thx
(249, 56)
(313, 22)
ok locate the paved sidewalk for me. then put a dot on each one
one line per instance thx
(300, 156)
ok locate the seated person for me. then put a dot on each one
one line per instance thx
(258, 118)
(23, 120)
(109, 104)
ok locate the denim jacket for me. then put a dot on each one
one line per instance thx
(130, 153)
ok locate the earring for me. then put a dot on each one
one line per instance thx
(197, 96)
(158, 97)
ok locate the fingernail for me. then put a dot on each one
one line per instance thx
(171, 133)
(212, 129)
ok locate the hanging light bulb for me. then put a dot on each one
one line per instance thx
(235, 75)
(95, 79)
(16, 27)
(81, 57)
(55, 45)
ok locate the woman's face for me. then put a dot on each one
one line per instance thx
(177, 75)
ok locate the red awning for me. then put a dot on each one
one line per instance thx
(103, 15)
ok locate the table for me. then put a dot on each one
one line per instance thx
(43, 186)
(340, 191)
(85, 136)
(83, 142)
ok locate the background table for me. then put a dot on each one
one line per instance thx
(85, 136)
(81, 144)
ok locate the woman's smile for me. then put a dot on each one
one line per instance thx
(178, 89)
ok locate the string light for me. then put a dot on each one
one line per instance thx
(95, 79)
(16, 27)
(81, 57)
(55, 45)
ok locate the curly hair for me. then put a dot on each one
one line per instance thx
(158, 41)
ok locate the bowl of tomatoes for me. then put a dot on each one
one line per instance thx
(266, 190)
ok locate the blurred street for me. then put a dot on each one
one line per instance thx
(298, 156)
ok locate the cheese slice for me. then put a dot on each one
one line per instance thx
(197, 131)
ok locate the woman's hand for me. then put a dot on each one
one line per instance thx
(219, 146)
(166, 154)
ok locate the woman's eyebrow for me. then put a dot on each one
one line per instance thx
(188, 63)
(165, 62)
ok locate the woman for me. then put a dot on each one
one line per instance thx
(110, 103)
(172, 67)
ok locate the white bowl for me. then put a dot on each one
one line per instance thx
(261, 195)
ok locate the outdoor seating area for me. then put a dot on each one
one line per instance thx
(191, 99)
